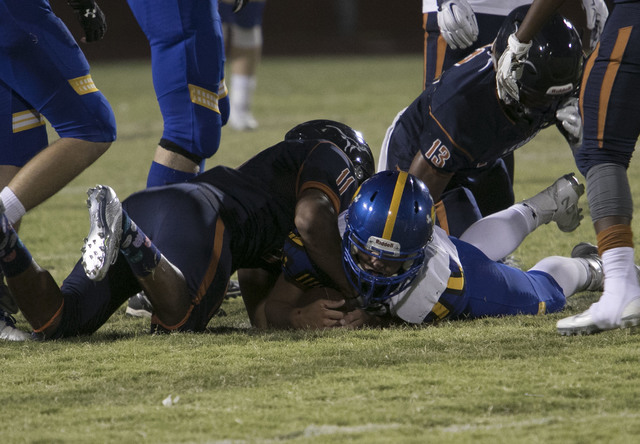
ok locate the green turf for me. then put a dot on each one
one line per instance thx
(494, 380)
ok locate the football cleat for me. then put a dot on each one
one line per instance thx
(139, 306)
(242, 121)
(101, 246)
(589, 253)
(8, 330)
(233, 290)
(559, 203)
(583, 324)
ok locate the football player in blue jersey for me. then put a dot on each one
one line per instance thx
(243, 37)
(180, 243)
(187, 65)
(460, 125)
(610, 107)
(45, 75)
(406, 269)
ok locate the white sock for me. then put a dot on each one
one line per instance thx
(620, 287)
(570, 273)
(510, 226)
(241, 92)
(13, 208)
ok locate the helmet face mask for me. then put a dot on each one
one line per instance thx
(389, 225)
(553, 67)
(344, 137)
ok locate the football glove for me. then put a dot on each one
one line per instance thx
(596, 12)
(91, 19)
(569, 122)
(509, 69)
(239, 4)
(457, 23)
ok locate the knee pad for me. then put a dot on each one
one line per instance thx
(608, 191)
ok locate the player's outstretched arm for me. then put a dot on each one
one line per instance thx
(317, 222)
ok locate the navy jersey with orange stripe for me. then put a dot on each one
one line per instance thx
(610, 96)
(458, 122)
(260, 196)
(223, 220)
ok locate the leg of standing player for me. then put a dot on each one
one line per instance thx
(611, 112)
(187, 63)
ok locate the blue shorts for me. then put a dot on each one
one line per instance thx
(248, 17)
(610, 92)
(495, 289)
(22, 128)
(187, 64)
(44, 69)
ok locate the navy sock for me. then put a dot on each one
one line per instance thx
(141, 254)
(14, 256)
(163, 175)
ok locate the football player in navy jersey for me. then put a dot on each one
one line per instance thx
(181, 243)
(406, 269)
(610, 107)
(460, 125)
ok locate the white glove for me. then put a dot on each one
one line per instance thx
(596, 13)
(457, 23)
(509, 69)
(568, 115)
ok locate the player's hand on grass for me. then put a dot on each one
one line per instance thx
(319, 314)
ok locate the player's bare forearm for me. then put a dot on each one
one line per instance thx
(538, 14)
(435, 180)
(317, 223)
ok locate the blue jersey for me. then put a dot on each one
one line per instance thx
(209, 227)
(458, 281)
(458, 122)
(43, 72)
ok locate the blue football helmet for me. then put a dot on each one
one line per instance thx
(344, 137)
(553, 67)
(390, 218)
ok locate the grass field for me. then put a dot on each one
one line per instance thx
(492, 380)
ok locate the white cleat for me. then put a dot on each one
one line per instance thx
(559, 203)
(583, 324)
(101, 246)
(242, 121)
(8, 330)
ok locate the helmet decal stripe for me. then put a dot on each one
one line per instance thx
(395, 204)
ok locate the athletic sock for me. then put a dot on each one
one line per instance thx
(13, 208)
(141, 254)
(163, 175)
(14, 256)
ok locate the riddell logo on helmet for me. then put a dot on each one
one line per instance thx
(378, 243)
(560, 89)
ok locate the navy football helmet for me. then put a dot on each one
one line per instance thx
(553, 68)
(390, 218)
(344, 137)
